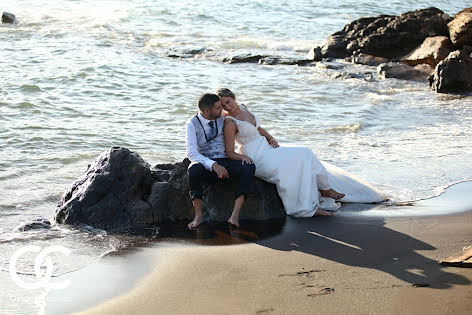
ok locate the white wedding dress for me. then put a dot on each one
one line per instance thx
(299, 175)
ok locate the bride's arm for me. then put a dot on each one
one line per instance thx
(230, 129)
(273, 143)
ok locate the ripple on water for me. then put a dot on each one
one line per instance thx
(30, 88)
(24, 105)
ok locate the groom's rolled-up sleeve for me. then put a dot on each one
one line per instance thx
(192, 149)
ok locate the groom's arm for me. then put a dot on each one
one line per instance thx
(192, 149)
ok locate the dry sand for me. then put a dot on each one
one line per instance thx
(319, 266)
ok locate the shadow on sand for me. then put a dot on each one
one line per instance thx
(365, 243)
(354, 241)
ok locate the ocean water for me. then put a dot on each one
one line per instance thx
(81, 76)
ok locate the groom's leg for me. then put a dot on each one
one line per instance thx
(243, 171)
(198, 176)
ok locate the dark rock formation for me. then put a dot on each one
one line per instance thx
(283, 61)
(453, 74)
(315, 54)
(266, 60)
(460, 28)
(367, 76)
(244, 58)
(421, 39)
(431, 51)
(8, 18)
(185, 52)
(367, 60)
(404, 72)
(386, 36)
(36, 224)
(113, 192)
(119, 191)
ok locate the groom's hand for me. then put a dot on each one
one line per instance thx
(220, 170)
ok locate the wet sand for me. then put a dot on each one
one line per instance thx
(346, 263)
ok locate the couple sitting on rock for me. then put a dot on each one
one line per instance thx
(296, 171)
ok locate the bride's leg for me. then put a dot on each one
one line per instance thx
(324, 186)
(331, 193)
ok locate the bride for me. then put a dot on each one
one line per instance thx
(296, 171)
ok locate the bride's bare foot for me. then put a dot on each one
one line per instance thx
(233, 221)
(331, 193)
(323, 213)
(195, 223)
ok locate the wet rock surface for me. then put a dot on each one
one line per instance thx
(368, 60)
(404, 72)
(386, 36)
(283, 61)
(8, 18)
(431, 52)
(453, 74)
(121, 192)
(460, 28)
(243, 58)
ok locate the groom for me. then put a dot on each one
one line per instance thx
(206, 150)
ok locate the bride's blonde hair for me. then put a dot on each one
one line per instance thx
(225, 92)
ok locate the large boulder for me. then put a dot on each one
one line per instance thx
(431, 51)
(453, 74)
(8, 18)
(112, 193)
(386, 36)
(460, 28)
(119, 191)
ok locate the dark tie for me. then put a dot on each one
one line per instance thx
(213, 131)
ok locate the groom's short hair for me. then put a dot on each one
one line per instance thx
(207, 100)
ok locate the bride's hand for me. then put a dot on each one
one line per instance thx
(273, 143)
(246, 159)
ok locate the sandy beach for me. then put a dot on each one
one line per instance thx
(321, 265)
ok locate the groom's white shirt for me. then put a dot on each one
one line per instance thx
(193, 152)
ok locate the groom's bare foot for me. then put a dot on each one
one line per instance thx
(195, 223)
(323, 213)
(331, 193)
(233, 221)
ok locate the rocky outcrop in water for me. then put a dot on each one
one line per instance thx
(368, 60)
(404, 72)
(386, 36)
(120, 191)
(185, 52)
(243, 58)
(453, 74)
(460, 28)
(431, 52)
(420, 39)
(8, 18)
(266, 60)
(283, 61)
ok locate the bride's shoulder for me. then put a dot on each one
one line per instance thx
(230, 119)
(244, 106)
